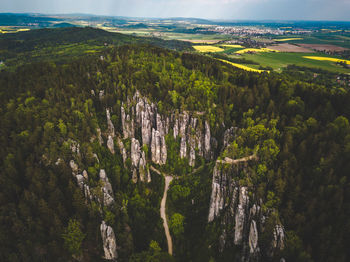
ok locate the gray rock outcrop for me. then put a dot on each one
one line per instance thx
(110, 125)
(110, 144)
(109, 241)
(106, 189)
(138, 162)
(139, 116)
(239, 214)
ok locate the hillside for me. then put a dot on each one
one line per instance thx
(61, 44)
(258, 162)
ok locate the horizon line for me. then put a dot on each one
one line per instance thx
(177, 17)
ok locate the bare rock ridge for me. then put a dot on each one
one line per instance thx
(140, 116)
(108, 239)
(239, 213)
(107, 233)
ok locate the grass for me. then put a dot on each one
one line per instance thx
(246, 68)
(207, 48)
(277, 61)
(321, 58)
(255, 50)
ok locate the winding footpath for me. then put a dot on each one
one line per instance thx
(168, 180)
(228, 160)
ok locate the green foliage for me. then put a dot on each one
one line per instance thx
(62, 127)
(73, 237)
(154, 247)
(179, 192)
(298, 130)
(177, 224)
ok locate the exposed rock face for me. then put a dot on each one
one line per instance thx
(109, 241)
(139, 116)
(278, 239)
(135, 152)
(107, 233)
(229, 136)
(207, 139)
(110, 124)
(82, 180)
(253, 238)
(99, 136)
(240, 217)
(106, 189)
(158, 148)
(74, 167)
(122, 149)
(138, 161)
(217, 194)
(127, 122)
(239, 214)
(110, 144)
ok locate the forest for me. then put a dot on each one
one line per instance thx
(51, 110)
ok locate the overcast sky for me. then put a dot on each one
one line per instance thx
(214, 9)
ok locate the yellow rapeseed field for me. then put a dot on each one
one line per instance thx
(287, 39)
(255, 50)
(243, 66)
(322, 58)
(207, 48)
(233, 46)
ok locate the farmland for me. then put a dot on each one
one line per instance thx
(207, 48)
(288, 39)
(278, 61)
(246, 68)
(321, 58)
(255, 50)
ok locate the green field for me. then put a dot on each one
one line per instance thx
(338, 39)
(278, 61)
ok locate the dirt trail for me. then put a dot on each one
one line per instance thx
(168, 180)
(228, 160)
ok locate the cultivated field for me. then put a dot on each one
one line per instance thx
(207, 48)
(246, 68)
(287, 39)
(232, 46)
(254, 50)
(321, 58)
(277, 61)
(322, 47)
(200, 41)
(285, 47)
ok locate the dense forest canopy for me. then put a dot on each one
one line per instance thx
(299, 130)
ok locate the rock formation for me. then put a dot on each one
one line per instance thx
(109, 241)
(141, 122)
(107, 233)
(239, 214)
(106, 189)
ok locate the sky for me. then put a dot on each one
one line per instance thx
(210, 9)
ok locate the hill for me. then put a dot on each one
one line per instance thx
(259, 162)
(62, 43)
